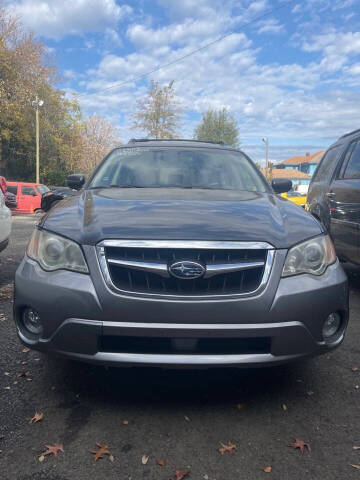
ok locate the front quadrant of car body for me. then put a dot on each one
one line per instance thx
(179, 253)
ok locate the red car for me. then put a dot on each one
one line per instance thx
(28, 196)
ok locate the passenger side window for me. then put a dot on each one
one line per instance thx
(12, 189)
(352, 169)
(328, 164)
(28, 191)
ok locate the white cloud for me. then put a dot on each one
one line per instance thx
(270, 26)
(336, 47)
(298, 98)
(54, 19)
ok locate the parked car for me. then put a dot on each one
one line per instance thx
(180, 253)
(53, 197)
(28, 195)
(3, 185)
(334, 195)
(295, 197)
(10, 200)
(5, 222)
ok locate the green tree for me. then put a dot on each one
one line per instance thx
(158, 113)
(218, 126)
(25, 73)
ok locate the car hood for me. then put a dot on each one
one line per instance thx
(182, 214)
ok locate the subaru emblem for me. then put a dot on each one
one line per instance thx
(186, 270)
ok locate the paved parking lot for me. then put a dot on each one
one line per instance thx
(175, 415)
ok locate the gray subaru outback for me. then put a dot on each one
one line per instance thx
(179, 253)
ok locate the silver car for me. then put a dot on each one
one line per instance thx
(179, 253)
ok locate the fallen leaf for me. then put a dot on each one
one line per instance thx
(187, 418)
(24, 363)
(26, 350)
(356, 387)
(356, 447)
(227, 448)
(160, 462)
(355, 369)
(53, 388)
(300, 445)
(310, 393)
(111, 458)
(41, 458)
(7, 388)
(284, 407)
(53, 449)
(144, 459)
(24, 374)
(180, 474)
(267, 469)
(356, 466)
(102, 450)
(126, 422)
(206, 477)
(6, 373)
(36, 418)
(240, 406)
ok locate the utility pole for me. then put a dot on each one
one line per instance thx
(266, 141)
(37, 104)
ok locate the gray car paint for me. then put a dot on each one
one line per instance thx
(78, 309)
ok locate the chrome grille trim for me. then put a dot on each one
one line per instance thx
(103, 262)
(215, 269)
(181, 244)
(162, 268)
(158, 268)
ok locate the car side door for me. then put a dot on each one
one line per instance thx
(344, 200)
(28, 196)
(317, 198)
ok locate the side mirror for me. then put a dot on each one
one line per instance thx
(281, 185)
(75, 181)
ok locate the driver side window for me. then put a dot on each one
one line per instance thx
(28, 191)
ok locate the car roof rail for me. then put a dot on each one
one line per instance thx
(140, 140)
(350, 133)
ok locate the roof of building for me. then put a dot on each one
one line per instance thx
(315, 158)
(290, 173)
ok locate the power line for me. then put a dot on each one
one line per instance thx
(193, 52)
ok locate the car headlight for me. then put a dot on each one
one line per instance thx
(312, 256)
(54, 252)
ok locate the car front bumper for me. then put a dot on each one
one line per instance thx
(84, 320)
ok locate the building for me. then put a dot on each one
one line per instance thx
(296, 176)
(305, 163)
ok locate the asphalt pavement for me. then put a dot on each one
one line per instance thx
(177, 416)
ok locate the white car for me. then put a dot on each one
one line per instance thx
(5, 222)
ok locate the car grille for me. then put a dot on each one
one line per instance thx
(199, 346)
(144, 270)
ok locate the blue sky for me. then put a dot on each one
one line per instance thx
(293, 75)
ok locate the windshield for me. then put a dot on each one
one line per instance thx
(42, 189)
(165, 167)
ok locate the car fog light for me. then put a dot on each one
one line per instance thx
(31, 321)
(331, 325)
